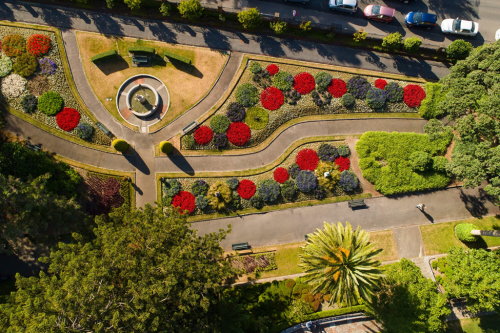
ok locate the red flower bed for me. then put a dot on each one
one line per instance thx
(272, 69)
(238, 133)
(307, 159)
(38, 44)
(337, 88)
(304, 83)
(67, 119)
(246, 188)
(413, 95)
(380, 83)
(272, 98)
(185, 201)
(281, 175)
(203, 135)
(343, 162)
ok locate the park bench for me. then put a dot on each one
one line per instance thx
(240, 246)
(357, 203)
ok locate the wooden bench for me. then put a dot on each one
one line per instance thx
(240, 246)
(357, 203)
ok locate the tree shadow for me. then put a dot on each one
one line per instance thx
(215, 39)
(181, 162)
(136, 160)
(162, 33)
(473, 204)
(186, 68)
(109, 66)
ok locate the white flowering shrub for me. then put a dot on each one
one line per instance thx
(13, 86)
(5, 65)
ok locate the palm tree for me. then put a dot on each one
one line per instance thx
(339, 261)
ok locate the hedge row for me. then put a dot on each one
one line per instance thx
(104, 55)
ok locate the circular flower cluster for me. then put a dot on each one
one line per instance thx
(380, 83)
(238, 133)
(337, 88)
(67, 119)
(307, 159)
(272, 98)
(413, 95)
(304, 83)
(185, 201)
(281, 175)
(343, 162)
(203, 135)
(38, 44)
(272, 69)
(246, 188)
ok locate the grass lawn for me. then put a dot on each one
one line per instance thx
(186, 85)
(486, 324)
(439, 238)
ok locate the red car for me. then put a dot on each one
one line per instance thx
(379, 13)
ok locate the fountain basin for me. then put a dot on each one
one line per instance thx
(150, 100)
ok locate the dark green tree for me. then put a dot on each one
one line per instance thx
(145, 271)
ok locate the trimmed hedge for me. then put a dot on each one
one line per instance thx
(104, 56)
(462, 232)
(170, 55)
(120, 145)
(142, 49)
(166, 147)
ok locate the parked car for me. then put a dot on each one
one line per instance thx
(348, 6)
(379, 13)
(420, 20)
(459, 27)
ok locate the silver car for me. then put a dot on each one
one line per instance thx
(459, 27)
(348, 6)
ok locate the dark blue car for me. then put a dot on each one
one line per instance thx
(421, 20)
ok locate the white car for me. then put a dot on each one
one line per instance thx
(348, 6)
(459, 27)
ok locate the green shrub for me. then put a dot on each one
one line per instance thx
(171, 55)
(13, 45)
(104, 56)
(458, 49)
(25, 65)
(255, 67)
(29, 103)
(359, 36)
(412, 44)
(305, 26)
(323, 80)
(190, 9)
(84, 131)
(256, 118)
(249, 18)
(50, 103)
(5, 65)
(247, 94)
(278, 27)
(120, 145)
(393, 41)
(462, 232)
(166, 147)
(429, 108)
(165, 9)
(283, 80)
(219, 123)
(348, 100)
(420, 161)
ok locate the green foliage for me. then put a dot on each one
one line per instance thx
(359, 36)
(249, 18)
(430, 105)
(120, 145)
(407, 302)
(257, 118)
(25, 65)
(420, 161)
(219, 123)
(219, 195)
(473, 274)
(104, 56)
(278, 27)
(462, 232)
(305, 26)
(458, 49)
(340, 261)
(283, 80)
(412, 44)
(393, 41)
(247, 94)
(165, 9)
(348, 100)
(166, 147)
(146, 249)
(133, 4)
(323, 80)
(50, 103)
(385, 160)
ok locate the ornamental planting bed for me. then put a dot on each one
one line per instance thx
(313, 171)
(33, 82)
(269, 94)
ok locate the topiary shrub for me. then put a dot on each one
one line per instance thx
(348, 100)
(190, 9)
(376, 98)
(249, 18)
(202, 203)
(166, 147)
(120, 145)
(293, 170)
(327, 152)
(257, 202)
(269, 191)
(219, 123)
(358, 86)
(13, 45)
(283, 80)
(233, 183)
(235, 112)
(255, 67)
(462, 232)
(5, 65)
(420, 161)
(84, 131)
(344, 150)
(412, 44)
(199, 187)
(394, 92)
(289, 190)
(25, 65)
(256, 118)
(348, 181)
(29, 103)
(170, 187)
(247, 94)
(50, 103)
(393, 41)
(458, 49)
(219, 195)
(306, 181)
(220, 140)
(323, 80)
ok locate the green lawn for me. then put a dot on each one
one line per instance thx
(439, 238)
(487, 324)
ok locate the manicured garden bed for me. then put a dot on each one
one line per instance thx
(270, 94)
(313, 171)
(34, 84)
